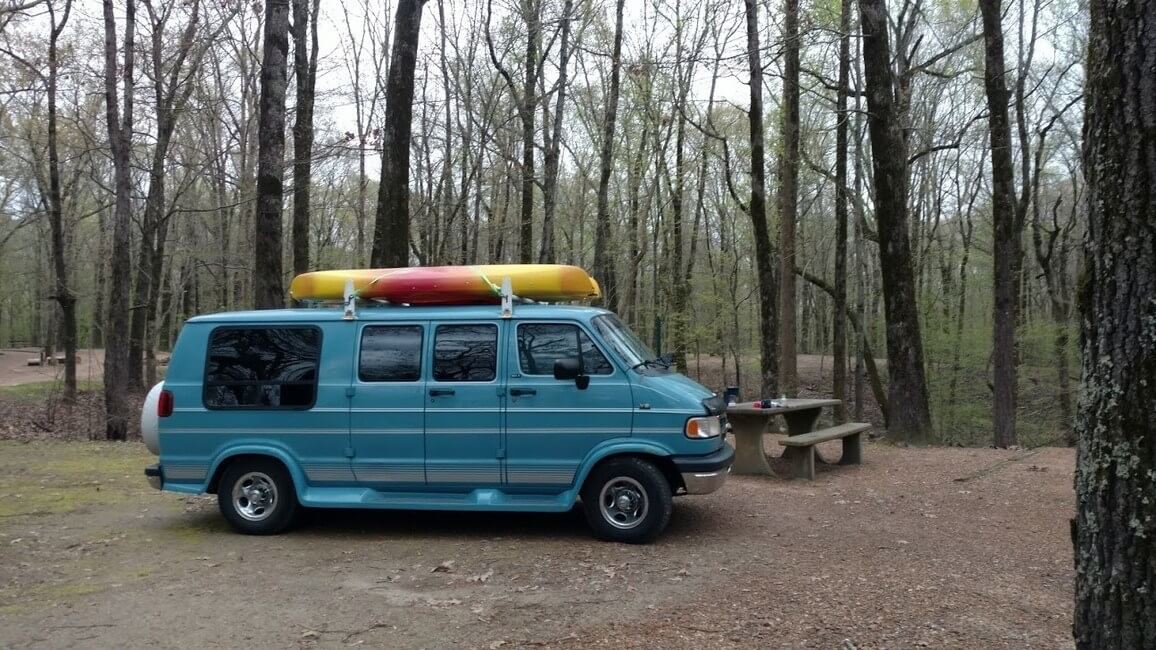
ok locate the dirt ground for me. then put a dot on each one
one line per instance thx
(958, 548)
(14, 368)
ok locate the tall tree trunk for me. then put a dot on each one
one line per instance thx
(768, 364)
(839, 334)
(604, 257)
(305, 69)
(789, 200)
(532, 11)
(120, 140)
(63, 293)
(908, 384)
(1114, 532)
(1005, 234)
(629, 305)
(546, 253)
(391, 228)
(169, 100)
(96, 333)
(267, 250)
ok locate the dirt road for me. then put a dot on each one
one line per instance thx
(895, 553)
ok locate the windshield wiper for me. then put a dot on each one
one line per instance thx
(645, 363)
(661, 361)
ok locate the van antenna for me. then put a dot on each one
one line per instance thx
(507, 298)
(350, 297)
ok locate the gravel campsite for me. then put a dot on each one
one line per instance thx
(933, 547)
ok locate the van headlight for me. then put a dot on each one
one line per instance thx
(707, 427)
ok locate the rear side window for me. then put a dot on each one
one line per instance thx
(465, 353)
(541, 344)
(262, 368)
(390, 353)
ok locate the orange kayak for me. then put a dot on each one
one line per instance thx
(448, 285)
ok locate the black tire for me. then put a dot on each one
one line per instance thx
(637, 523)
(267, 477)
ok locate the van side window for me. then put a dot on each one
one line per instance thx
(390, 353)
(262, 368)
(465, 353)
(541, 344)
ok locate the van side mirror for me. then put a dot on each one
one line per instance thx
(566, 369)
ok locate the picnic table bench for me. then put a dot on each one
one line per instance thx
(749, 423)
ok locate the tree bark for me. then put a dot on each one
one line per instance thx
(839, 333)
(120, 140)
(1114, 532)
(768, 363)
(268, 292)
(1005, 234)
(604, 257)
(391, 229)
(789, 200)
(532, 11)
(546, 254)
(305, 69)
(62, 293)
(908, 384)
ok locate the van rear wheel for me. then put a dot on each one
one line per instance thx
(257, 497)
(627, 500)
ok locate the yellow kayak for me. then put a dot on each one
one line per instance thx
(446, 285)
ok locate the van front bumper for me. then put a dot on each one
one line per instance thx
(705, 474)
(155, 476)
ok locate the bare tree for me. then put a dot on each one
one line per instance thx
(365, 108)
(63, 292)
(604, 258)
(50, 190)
(789, 199)
(172, 87)
(116, 359)
(305, 70)
(908, 385)
(267, 250)
(758, 209)
(842, 116)
(546, 254)
(391, 231)
(1005, 233)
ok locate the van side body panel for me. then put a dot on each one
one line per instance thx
(313, 442)
(372, 444)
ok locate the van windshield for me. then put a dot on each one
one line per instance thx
(624, 341)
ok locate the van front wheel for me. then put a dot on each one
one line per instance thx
(257, 497)
(627, 500)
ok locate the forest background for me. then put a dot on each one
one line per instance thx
(141, 180)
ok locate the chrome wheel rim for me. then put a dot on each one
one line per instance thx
(255, 496)
(623, 503)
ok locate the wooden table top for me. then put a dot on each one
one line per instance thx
(784, 406)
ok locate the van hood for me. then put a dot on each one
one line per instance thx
(672, 390)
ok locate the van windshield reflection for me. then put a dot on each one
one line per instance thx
(627, 344)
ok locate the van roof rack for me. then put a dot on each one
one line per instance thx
(505, 291)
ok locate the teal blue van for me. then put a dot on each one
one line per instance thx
(432, 408)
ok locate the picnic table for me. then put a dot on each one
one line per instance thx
(749, 423)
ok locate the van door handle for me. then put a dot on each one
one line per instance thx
(434, 392)
(523, 391)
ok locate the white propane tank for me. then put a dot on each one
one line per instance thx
(150, 421)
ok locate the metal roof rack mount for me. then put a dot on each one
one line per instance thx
(506, 292)
(350, 299)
